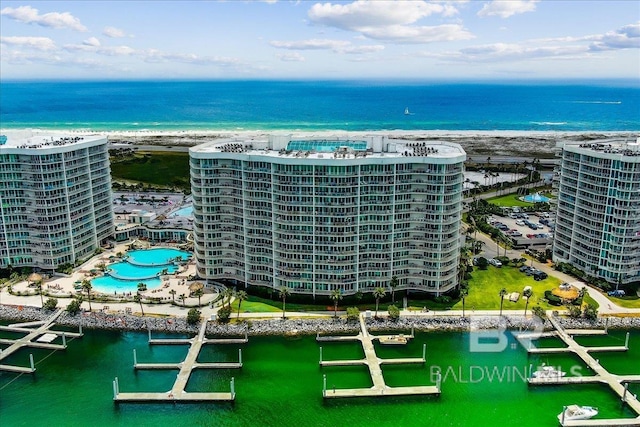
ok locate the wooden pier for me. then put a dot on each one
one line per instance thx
(185, 368)
(601, 375)
(39, 335)
(373, 362)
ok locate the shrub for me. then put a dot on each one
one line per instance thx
(482, 263)
(193, 316)
(50, 304)
(552, 299)
(223, 314)
(353, 313)
(539, 311)
(590, 312)
(73, 307)
(394, 312)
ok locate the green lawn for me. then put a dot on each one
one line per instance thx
(161, 168)
(628, 301)
(508, 200)
(485, 285)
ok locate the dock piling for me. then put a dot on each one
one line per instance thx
(530, 370)
(626, 341)
(64, 340)
(321, 355)
(324, 384)
(240, 356)
(117, 385)
(424, 352)
(624, 395)
(439, 382)
(149, 336)
(115, 391)
(233, 387)
(33, 367)
(135, 358)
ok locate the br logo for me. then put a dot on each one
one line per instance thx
(488, 334)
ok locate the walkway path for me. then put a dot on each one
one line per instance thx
(178, 391)
(28, 340)
(373, 362)
(601, 375)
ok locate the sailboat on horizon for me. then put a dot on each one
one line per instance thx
(407, 112)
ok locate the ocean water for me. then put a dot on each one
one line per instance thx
(583, 106)
(280, 384)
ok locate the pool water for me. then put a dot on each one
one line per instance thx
(325, 145)
(156, 256)
(139, 266)
(186, 211)
(535, 198)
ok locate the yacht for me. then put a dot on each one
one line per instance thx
(406, 111)
(548, 372)
(575, 412)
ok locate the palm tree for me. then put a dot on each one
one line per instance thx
(227, 294)
(137, 298)
(463, 295)
(86, 286)
(378, 293)
(336, 295)
(393, 284)
(527, 293)
(173, 293)
(503, 292)
(199, 292)
(142, 287)
(284, 293)
(38, 284)
(241, 296)
(182, 297)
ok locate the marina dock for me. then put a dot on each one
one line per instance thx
(618, 383)
(373, 362)
(39, 335)
(185, 368)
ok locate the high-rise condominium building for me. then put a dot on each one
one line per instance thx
(55, 198)
(598, 221)
(320, 215)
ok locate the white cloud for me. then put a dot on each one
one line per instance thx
(337, 46)
(390, 21)
(627, 37)
(57, 20)
(290, 57)
(507, 8)
(312, 44)
(91, 41)
(39, 43)
(114, 33)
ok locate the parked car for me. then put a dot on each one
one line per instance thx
(616, 293)
(519, 222)
(495, 262)
(540, 275)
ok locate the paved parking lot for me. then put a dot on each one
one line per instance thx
(523, 234)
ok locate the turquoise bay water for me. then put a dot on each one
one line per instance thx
(350, 105)
(281, 383)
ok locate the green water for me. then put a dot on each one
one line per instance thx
(281, 384)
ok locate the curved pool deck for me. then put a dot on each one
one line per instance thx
(139, 266)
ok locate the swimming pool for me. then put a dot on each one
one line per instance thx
(139, 266)
(325, 145)
(156, 256)
(186, 211)
(535, 198)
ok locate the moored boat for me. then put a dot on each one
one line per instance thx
(576, 412)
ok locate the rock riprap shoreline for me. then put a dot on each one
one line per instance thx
(278, 326)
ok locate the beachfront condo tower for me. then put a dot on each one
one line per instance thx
(55, 198)
(598, 221)
(321, 215)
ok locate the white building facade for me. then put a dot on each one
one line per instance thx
(598, 218)
(55, 199)
(318, 215)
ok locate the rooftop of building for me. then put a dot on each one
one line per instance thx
(338, 147)
(32, 139)
(624, 147)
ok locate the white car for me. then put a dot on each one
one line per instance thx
(495, 262)
(519, 222)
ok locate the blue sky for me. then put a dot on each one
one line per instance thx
(515, 39)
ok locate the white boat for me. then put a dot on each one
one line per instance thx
(548, 372)
(406, 111)
(393, 339)
(575, 412)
